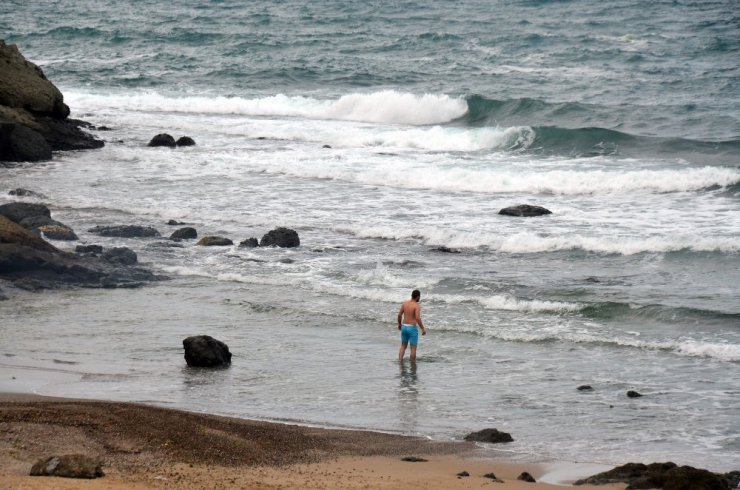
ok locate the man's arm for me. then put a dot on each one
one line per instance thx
(418, 320)
(400, 315)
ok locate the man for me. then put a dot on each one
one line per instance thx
(409, 316)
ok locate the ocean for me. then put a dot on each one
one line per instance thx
(389, 135)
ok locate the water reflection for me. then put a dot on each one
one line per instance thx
(408, 396)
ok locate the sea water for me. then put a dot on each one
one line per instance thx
(384, 134)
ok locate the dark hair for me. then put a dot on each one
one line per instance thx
(415, 294)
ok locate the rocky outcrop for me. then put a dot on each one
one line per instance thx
(280, 237)
(30, 262)
(205, 351)
(125, 231)
(489, 435)
(664, 475)
(163, 139)
(186, 233)
(68, 466)
(214, 241)
(525, 210)
(37, 218)
(34, 120)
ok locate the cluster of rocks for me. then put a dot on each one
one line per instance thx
(164, 139)
(664, 475)
(34, 120)
(278, 237)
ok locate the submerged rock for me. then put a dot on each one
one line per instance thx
(633, 394)
(125, 231)
(205, 351)
(163, 139)
(249, 243)
(68, 466)
(185, 141)
(26, 193)
(89, 249)
(214, 241)
(489, 435)
(280, 237)
(121, 255)
(525, 210)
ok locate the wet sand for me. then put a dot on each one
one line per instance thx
(145, 447)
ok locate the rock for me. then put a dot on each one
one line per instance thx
(172, 222)
(125, 231)
(3, 298)
(185, 141)
(286, 260)
(663, 475)
(184, 234)
(493, 477)
(326, 146)
(58, 232)
(633, 394)
(89, 249)
(524, 210)
(526, 477)
(121, 255)
(585, 388)
(414, 459)
(463, 474)
(205, 351)
(163, 139)
(68, 466)
(489, 435)
(214, 241)
(249, 243)
(32, 109)
(26, 193)
(19, 211)
(593, 280)
(446, 250)
(19, 143)
(281, 237)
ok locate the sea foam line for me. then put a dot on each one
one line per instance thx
(387, 106)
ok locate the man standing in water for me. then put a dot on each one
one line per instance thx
(409, 316)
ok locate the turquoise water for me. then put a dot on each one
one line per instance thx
(622, 118)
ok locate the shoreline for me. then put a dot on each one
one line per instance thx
(145, 446)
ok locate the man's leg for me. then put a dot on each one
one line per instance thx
(413, 352)
(402, 351)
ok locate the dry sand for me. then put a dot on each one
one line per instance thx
(145, 447)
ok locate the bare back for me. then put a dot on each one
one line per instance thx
(411, 312)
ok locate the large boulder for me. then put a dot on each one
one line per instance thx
(163, 139)
(186, 233)
(19, 211)
(125, 231)
(280, 237)
(525, 210)
(663, 475)
(489, 435)
(68, 466)
(33, 116)
(205, 351)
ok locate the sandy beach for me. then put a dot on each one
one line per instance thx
(150, 447)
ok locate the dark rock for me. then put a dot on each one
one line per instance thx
(633, 394)
(26, 193)
(662, 475)
(493, 477)
(163, 139)
(125, 231)
(249, 243)
(184, 234)
(89, 249)
(19, 211)
(58, 232)
(185, 141)
(3, 297)
(205, 351)
(19, 143)
(446, 250)
(585, 388)
(489, 435)
(121, 255)
(326, 146)
(214, 241)
(31, 284)
(65, 135)
(414, 459)
(172, 222)
(103, 128)
(286, 260)
(463, 474)
(526, 477)
(281, 237)
(524, 210)
(68, 466)
(593, 280)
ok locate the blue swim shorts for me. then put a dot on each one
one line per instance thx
(409, 334)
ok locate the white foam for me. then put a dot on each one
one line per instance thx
(387, 106)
